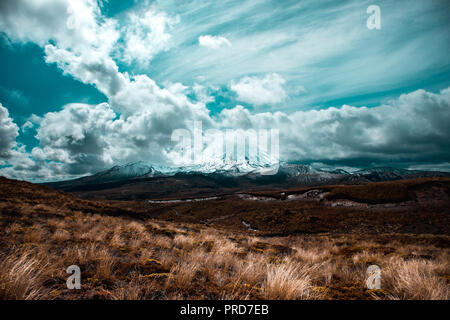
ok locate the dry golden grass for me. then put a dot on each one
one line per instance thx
(286, 281)
(106, 263)
(21, 277)
(125, 258)
(184, 271)
(415, 279)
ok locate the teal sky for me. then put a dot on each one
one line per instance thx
(288, 57)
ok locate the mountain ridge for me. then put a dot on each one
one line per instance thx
(140, 180)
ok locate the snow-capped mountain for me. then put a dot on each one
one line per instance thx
(129, 170)
(242, 173)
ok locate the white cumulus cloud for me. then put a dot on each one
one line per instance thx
(213, 42)
(8, 133)
(412, 128)
(146, 34)
(259, 91)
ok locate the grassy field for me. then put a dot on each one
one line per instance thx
(126, 254)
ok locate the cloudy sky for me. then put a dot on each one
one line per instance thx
(88, 84)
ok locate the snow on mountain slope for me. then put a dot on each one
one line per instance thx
(287, 173)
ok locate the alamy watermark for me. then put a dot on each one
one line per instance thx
(373, 277)
(374, 20)
(257, 148)
(74, 281)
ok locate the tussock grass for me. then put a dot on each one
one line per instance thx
(123, 258)
(415, 279)
(21, 277)
(287, 281)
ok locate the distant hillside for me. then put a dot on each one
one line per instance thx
(24, 197)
